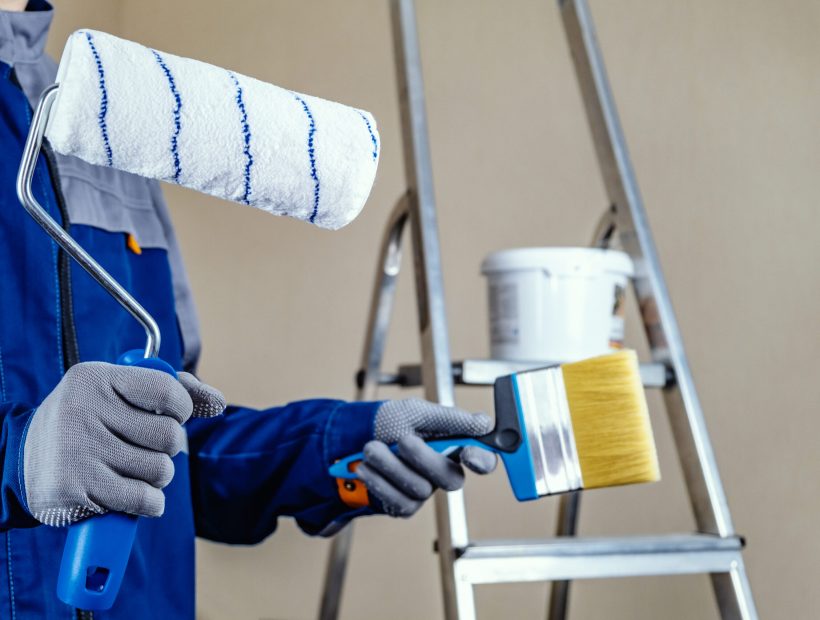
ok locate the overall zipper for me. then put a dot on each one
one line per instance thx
(71, 354)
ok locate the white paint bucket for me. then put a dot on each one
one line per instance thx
(556, 304)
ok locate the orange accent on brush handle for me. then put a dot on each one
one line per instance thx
(353, 492)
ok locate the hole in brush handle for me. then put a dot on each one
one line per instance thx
(507, 434)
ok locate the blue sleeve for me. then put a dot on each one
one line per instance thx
(249, 467)
(13, 511)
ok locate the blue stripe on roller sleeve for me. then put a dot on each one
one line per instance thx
(311, 156)
(372, 135)
(177, 114)
(246, 136)
(101, 117)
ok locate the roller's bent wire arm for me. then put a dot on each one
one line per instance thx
(25, 175)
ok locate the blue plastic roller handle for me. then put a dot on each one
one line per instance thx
(97, 549)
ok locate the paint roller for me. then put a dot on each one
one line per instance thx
(119, 104)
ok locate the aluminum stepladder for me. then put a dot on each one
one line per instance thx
(715, 549)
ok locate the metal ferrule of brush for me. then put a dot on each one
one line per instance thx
(543, 401)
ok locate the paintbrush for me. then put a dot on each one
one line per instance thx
(580, 425)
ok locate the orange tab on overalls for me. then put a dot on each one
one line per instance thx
(131, 242)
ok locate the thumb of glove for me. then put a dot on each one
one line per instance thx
(208, 401)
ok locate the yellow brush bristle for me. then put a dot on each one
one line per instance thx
(610, 420)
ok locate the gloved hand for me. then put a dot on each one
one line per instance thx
(398, 483)
(104, 438)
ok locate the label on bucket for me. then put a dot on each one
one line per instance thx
(504, 313)
(616, 330)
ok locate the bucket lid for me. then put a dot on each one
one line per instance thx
(558, 260)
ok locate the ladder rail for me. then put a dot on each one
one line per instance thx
(378, 323)
(335, 574)
(381, 305)
(697, 458)
(569, 506)
(451, 518)
(704, 485)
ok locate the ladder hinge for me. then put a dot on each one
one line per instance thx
(457, 553)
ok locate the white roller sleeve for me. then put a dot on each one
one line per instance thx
(183, 121)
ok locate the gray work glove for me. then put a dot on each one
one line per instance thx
(104, 438)
(398, 483)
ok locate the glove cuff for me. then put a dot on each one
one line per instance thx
(15, 508)
(349, 427)
(354, 429)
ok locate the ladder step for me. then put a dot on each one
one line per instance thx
(561, 559)
(485, 372)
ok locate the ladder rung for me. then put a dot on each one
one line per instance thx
(593, 558)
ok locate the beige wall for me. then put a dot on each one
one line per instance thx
(720, 104)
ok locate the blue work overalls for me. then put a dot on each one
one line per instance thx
(241, 471)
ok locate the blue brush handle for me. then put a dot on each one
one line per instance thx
(97, 549)
(508, 439)
(341, 468)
